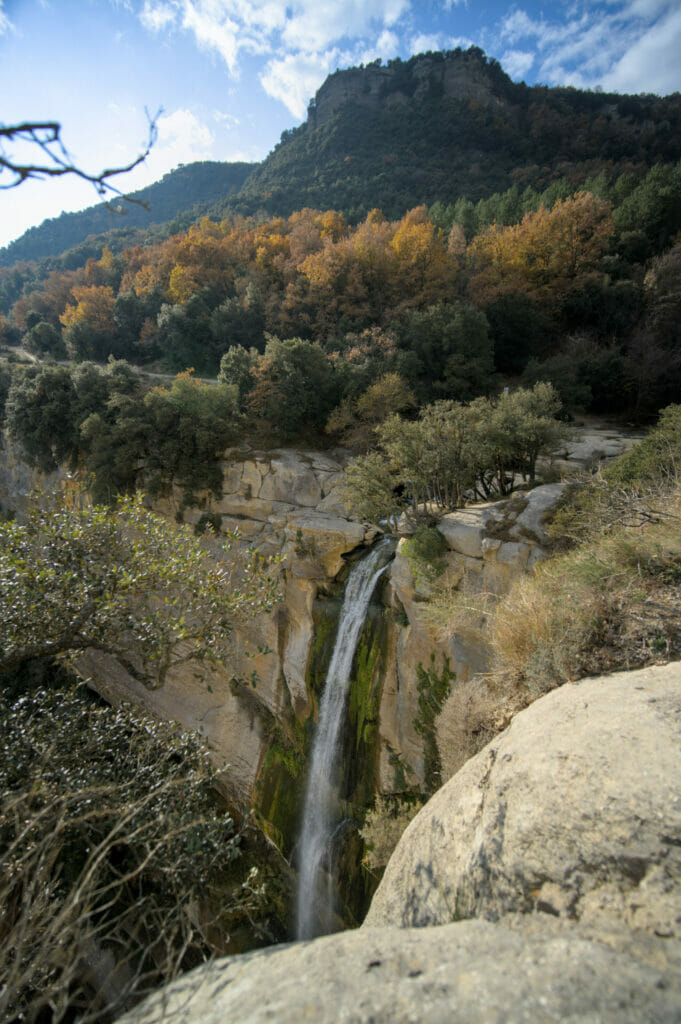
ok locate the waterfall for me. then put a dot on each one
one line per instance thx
(322, 785)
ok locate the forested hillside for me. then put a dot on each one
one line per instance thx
(437, 128)
(321, 325)
(178, 192)
(447, 125)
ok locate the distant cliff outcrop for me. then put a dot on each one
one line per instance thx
(455, 74)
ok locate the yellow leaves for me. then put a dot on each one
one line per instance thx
(545, 250)
(94, 306)
(332, 225)
(182, 284)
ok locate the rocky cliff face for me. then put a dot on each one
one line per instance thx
(289, 502)
(455, 75)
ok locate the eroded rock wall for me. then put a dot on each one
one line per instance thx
(288, 502)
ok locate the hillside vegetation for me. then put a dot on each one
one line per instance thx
(606, 600)
(447, 125)
(180, 192)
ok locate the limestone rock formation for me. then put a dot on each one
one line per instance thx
(585, 447)
(457, 76)
(473, 972)
(574, 811)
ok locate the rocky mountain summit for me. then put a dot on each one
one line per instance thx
(542, 882)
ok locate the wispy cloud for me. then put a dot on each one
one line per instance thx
(653, 62)
(225, 119)
(423, 42)
(517, 62)
(5, 23)
(295, 77)
(156, 17)
(622, 45)
(302, 40)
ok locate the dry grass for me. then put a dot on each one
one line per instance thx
(610, 604)
(453, 610)
(472, 716)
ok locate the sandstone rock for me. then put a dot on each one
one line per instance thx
(251, 479)
(325, 538)
(531, 519)
(473, 972)
(249, 529)
(513, 553)
(290, 480)
(575, 808)
(464, 530)
(300, 595)
(244, 508)
(18, 480)
(332, 504)
(584, 446)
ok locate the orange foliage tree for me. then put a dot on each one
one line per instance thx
(544, 254)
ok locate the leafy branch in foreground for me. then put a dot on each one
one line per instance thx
(123, 582)
(44, 137)
(112, 851)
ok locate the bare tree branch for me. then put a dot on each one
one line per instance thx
(45, 137)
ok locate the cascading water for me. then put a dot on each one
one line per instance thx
(315, 906)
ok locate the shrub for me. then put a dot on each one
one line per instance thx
(383, 828)
(109, 835)
(426, 551)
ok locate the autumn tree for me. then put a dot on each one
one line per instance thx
(89, 325)
(355, 420)
(544, 252)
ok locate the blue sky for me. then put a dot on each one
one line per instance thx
(231, 75)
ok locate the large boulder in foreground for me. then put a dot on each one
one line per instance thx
(574, 811)
(473, 972)
(566, 830)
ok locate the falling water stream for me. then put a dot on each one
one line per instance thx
(315, 901)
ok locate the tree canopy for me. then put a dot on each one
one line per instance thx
(122, 582)
(454, 451)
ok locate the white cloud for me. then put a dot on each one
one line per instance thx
(517, 63)
(225, 119)
(385, 46)
(424, 42)
(628, 46)
(315, 24)
(295, 78)
(652, 63)
(182, 132)
(156, 17)
(299, 27)
(459, 41)
(213, 32)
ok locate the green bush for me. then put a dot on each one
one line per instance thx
(426, 550)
